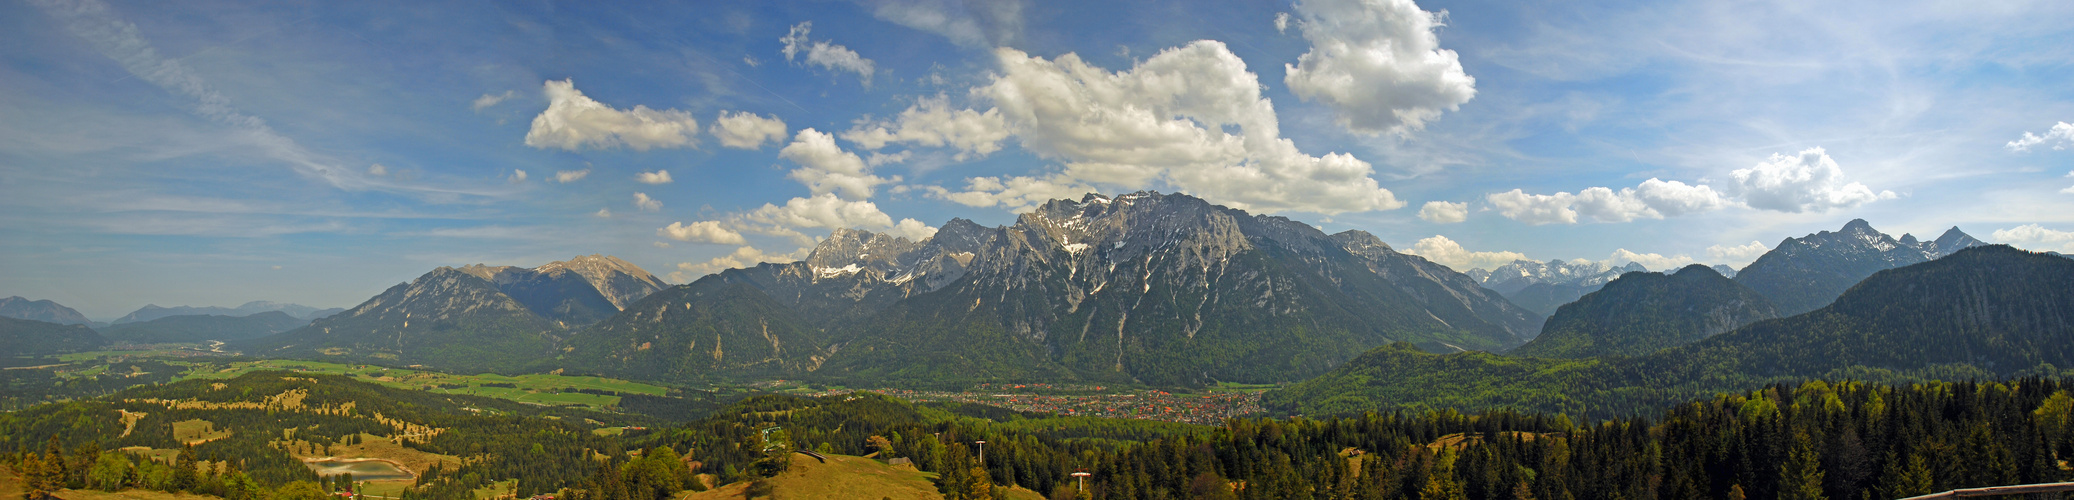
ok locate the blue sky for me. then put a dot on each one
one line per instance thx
(212, 153)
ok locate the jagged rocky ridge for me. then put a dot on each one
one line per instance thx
(1156, 288)
(1543, 286)
(1806, 273)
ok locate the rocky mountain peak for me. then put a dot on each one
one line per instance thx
(1952, 241)
(851, 250)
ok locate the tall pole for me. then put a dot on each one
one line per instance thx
(1082, 476)
(982, 453)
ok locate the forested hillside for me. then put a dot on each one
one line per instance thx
(1982, 313)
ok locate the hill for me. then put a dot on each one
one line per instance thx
(174, 329)
(1642, 312)
(841, 476)
(707, 328)
(41, 310)
(22, 337)
(1806, 273)
(1983, 312)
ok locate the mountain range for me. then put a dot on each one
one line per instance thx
(201, 328)
(473, 318)
(42, 310)
(1806, 273)
(1543, 286)
(152, 311)
(1640, 312)
(27, 337)
(1982, 312)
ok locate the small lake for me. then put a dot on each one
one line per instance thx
(362, 469)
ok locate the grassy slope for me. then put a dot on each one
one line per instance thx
(845, 477)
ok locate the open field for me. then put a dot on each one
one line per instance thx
(845, 476)
(539, 388)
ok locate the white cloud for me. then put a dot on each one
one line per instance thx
(1446, 252)
(1166, 121)
(568, 176)
(741, 258)
(972, 24)
(2061, 133)
(1809, 181)
(826, 168)
(710, 231)
(1377, 64)
(1016, 193)
(659, 244)
(1536, 209)
(1736, 255)
(745, 130)
(517, 176)
(1282, 22)
(1654, 262)
(934, 123)
(2035, 237)
(1442, 212)
(603, 213)
(642, 201)
(377, 170)
(826, 55)
(1652, 199)
(656, 177)
(488, 100)
(823, 210)
(574, 121)
(911, 229)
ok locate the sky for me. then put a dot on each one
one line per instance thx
(213, 153)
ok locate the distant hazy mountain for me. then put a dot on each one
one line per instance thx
(1724, 270)
(321, 313)
(24, 337)
(1541, 287)
(41, 310)
(201, 328)
(1983, 312)
(1642, 312)
(151, 312)
(1805, 273)
(499, 318)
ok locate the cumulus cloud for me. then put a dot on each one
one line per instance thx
(1282, 22)
(1442, 212)
(2060, 135)
(488, 100)
(1016, 193)
(1446, 252)
(517, 176)
(933, 122)
(642, 201)
(1652, 261)
(1736, 255)
(568, 176)
(968, 23)
(656, 177)
(574, 121)
(743, 257)
(1377, 64)
(1652, 199)
(911, 229)
(1809, 181)
(2036, 237)
(826, 55)
(745, 130)
(603, 213)
(1169, 120)
(826, 168)
(709, 231)
(377, 170)
(823, 210)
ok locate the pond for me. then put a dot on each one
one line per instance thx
(362, 469)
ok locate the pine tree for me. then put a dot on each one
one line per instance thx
(1800, 477)
(1441, 483)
